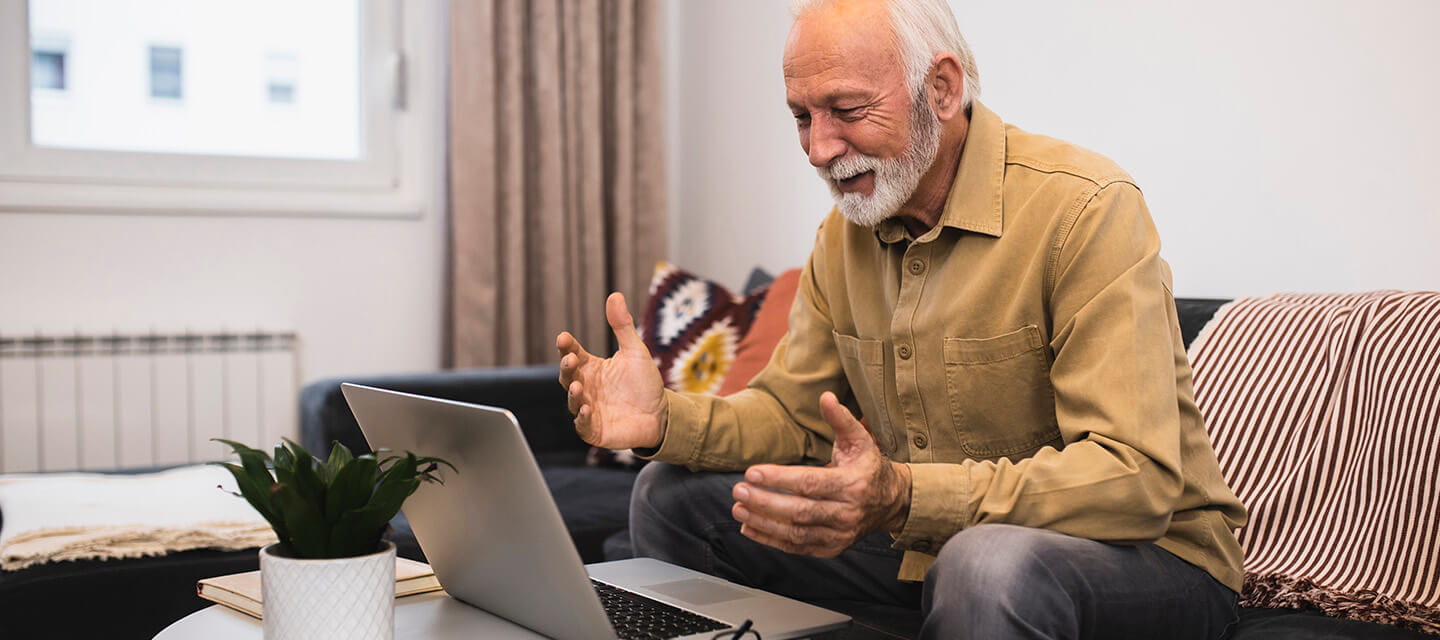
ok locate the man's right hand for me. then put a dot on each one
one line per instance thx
(618, 402)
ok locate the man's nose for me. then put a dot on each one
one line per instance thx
(826, 145)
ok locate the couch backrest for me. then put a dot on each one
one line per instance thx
(1194, 314)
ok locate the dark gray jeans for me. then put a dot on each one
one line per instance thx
(990, 581)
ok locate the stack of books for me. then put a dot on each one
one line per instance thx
(241, 591)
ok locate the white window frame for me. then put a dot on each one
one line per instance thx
(388, 180)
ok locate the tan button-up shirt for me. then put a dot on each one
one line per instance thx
(1023, 357)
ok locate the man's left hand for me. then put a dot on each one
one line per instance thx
(821, 511)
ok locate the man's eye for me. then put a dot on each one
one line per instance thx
(849, 114)
(802, 118)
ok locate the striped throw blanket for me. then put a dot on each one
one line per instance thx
(1325, 415)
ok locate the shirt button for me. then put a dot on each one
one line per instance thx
(904, 351)
(920, 441)
(917, 267)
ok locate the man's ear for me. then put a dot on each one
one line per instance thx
(946, 84)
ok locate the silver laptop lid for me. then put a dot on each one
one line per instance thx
(505, 551)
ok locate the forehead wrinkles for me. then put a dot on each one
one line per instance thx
(847, 48)
(803, 65)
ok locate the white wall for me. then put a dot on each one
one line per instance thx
(1281, 145)
(365, 295)
(741, 192)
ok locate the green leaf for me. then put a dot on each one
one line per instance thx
(257, 496)
(430, 465)
(284, 459)
(252, 478)
(305, 480)
(309, 534)
(339, 457)
(351, 488)
(335, 508)
(372, 519)
(352, 536)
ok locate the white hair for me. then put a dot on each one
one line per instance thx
(922, 29)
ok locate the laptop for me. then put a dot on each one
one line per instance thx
(495, 539)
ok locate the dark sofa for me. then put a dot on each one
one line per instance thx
(137, 598)
(594, 502)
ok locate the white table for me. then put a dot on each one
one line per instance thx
(432, 615)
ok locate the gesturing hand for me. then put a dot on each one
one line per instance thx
(618, 402)
(825, 509)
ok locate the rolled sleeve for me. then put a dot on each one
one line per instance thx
(940, 505)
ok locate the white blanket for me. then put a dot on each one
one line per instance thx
(82, 516)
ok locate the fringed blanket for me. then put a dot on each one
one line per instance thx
(1325, 414)
(90, 516)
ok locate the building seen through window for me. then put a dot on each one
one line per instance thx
(178, 76)
(166, 79)
(282, 71)
(47, 69)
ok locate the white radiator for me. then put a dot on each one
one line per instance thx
(83, 402)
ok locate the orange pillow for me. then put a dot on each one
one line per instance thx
(771, 321)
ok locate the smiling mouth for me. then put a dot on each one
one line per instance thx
(852, 180)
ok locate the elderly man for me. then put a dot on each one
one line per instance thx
(1031, 462)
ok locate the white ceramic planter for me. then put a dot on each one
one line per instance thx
(343, 598)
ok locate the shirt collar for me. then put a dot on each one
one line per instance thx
(975, 202)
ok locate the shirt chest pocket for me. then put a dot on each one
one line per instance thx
(864, 363)
(1001, 401)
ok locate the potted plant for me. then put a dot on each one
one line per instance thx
(331, 575)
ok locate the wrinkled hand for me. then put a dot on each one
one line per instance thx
(618, 402)
(829, 508)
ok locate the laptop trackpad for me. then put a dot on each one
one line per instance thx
(698, 591)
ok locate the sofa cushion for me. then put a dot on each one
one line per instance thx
(691, 326)
(771, 323)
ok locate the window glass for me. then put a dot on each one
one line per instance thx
(166, 80)
(282, 71)
(47, 70)
(180, 76)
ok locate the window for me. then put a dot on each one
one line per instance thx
(260, 106)
(281, 72)
(47, 68)
(166, 81)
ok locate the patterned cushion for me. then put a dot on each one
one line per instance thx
(692, 327)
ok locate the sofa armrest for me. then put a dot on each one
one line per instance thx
(533, 394)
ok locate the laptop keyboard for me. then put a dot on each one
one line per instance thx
(636, 616)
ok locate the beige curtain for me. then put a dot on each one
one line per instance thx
(556, 171)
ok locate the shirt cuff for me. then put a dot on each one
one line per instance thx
(939, 506)
(684, 431)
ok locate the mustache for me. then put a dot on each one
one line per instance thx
(848, 167)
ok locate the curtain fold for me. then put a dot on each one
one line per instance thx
(556, 172)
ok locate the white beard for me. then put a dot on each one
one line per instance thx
(895, 178)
